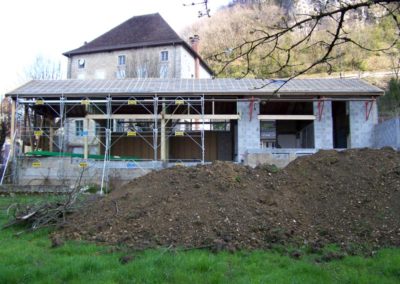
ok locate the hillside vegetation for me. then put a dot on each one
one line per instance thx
(233, 25)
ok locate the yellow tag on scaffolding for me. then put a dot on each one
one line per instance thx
(132, 102)
(179, 102)
(131, 133)
(38, 132)
(83, 165)
(36, 164)
(85, 102)
(39, 102)
(179, 133)
(179, 164)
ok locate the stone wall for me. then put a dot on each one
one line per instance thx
(104, 65)
(387, 134)
(361, 128)
(248, 129)
(323, 128)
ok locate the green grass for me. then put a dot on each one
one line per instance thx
(29, 258)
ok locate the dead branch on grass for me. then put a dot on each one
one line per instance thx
(45, 213)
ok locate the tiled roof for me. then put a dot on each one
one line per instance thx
(138, 31)
(256, 87)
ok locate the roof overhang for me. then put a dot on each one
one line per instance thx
(293, 89)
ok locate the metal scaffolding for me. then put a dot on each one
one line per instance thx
(165, 115)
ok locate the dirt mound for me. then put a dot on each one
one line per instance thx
(342, 197)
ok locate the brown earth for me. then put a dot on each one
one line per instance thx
(343, 197)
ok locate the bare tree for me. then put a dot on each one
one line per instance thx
(278, 45)
(44, 69)
(395, 62)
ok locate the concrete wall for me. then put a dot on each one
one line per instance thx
(323, 128)
(248, 129)
(67, 171)
(278, 157)
(387, 134)
(361, 129)
(104, 65)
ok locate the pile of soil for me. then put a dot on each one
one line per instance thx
(343, 197)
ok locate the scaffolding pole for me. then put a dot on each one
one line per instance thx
(203, 150)
(105, 177)
(155, 128)
(62, 114)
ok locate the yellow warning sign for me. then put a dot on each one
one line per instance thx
(39, 102)
(38, 132)
(179, 102)
(179, 133)
(85, 102)
(83, 165)
(131, 133)
(36, 164)
(132, 102)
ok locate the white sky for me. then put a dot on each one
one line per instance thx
(29, 28)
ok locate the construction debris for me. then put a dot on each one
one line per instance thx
(331, 197)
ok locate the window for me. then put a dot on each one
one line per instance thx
(121, 60)
(119, 125)
(97, 129)
(78, 127)
(164, 55)
(81, 63)
(164, 71)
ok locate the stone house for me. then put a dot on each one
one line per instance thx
(141, 47)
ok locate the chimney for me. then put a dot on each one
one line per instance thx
(194, 41)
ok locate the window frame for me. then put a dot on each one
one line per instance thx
(164, 56)
(120, 63)
(79, 127)
(81, 66)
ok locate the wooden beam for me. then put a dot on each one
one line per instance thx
(285, 117)
(166, 116)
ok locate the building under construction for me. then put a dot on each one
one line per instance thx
(127, 127)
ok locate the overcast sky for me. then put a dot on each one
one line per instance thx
(29, 28)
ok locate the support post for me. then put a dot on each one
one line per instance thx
(104, 178)
(86, 139)
(12, 136)
(203, 150)
(51, 136)
(155, 129)
(163, 134)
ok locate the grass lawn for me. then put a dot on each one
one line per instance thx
(29, 258)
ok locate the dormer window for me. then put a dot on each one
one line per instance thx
(81, 63)
(121, 60)
(164, 55)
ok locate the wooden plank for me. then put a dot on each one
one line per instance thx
(285, 117)
(166, 116)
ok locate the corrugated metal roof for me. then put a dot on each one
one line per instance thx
(326, 87)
